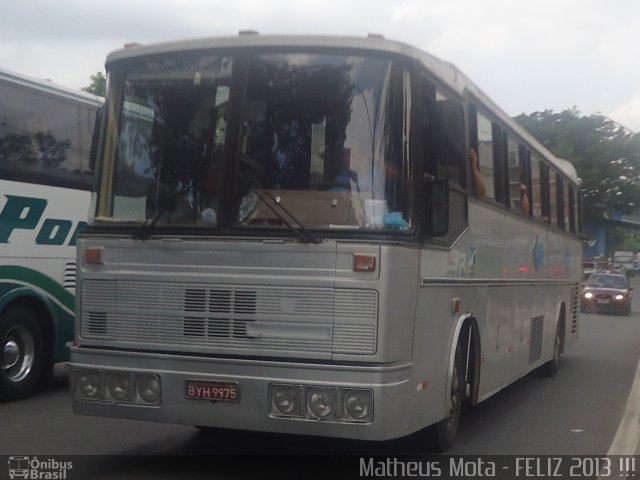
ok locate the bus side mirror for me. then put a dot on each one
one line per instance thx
(437, 204)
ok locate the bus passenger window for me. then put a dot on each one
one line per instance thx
(536, 193)
(485, 154)
(561, 202)
(573, 210)
(518, 191)
(451, 155)
(567, 206)
(553, 199)
(544, 192)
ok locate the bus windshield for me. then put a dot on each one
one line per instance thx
(259, 141)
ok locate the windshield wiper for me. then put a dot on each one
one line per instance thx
(303, 234)
(301, 231)
(144, 231)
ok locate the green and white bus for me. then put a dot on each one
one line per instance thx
(45, 190)
(285, 239)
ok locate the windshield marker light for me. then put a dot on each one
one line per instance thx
(364, 262)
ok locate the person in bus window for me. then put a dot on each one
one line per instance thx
(524, 199)
(479, 186)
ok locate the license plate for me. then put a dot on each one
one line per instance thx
(603, 300)
(219, 391)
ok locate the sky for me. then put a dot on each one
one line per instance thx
(527, 55)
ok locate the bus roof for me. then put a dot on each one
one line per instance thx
(446, 72)
(45, 86)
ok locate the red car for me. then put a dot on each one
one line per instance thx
(607, 292)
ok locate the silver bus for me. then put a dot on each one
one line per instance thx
(46, 180)
(286, 238)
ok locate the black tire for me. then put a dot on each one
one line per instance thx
(22, 353)
(207, 430)
(550, 368)
(443, 434)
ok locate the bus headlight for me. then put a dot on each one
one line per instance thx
(588, 295)
(357, 405)
(119, 386)
(89, 385)
(285, 400)
(321, 403)
(619, 297)
(148, 389)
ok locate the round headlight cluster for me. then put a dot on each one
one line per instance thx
(321, 403)
(117, 387)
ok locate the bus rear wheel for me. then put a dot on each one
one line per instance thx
(21, 353)
(550, 368)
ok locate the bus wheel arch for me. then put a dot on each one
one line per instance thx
(474, 356)
(26, 340)
(463, 377)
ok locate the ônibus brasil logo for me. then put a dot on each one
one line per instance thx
(36, 469)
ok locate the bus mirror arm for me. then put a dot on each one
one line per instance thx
(437, 203)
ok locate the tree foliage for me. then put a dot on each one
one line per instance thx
(98, 85)
(605, 155)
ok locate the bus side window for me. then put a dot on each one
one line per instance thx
(573, 210)
(536, 191)
(544, 192)
(561, 201)
(519, 183)
(450, 152)
(553, 198)
(565, 205)
(485, 148)
(445, 160)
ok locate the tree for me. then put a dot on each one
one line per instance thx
(98, 85)
(605, 155)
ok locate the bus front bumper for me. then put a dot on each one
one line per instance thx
(253, 409)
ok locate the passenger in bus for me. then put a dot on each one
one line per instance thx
(524, 199)
(479, 186)
(210, 196)
(347, 179)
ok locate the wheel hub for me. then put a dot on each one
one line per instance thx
(18, 353)
(10, 354)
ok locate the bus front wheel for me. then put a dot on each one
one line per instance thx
(21, 353)
(443, 433)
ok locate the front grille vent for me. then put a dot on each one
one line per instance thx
(535, 340)
(214, 302)
(195, 300)
(97, 323)
(235, 319)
